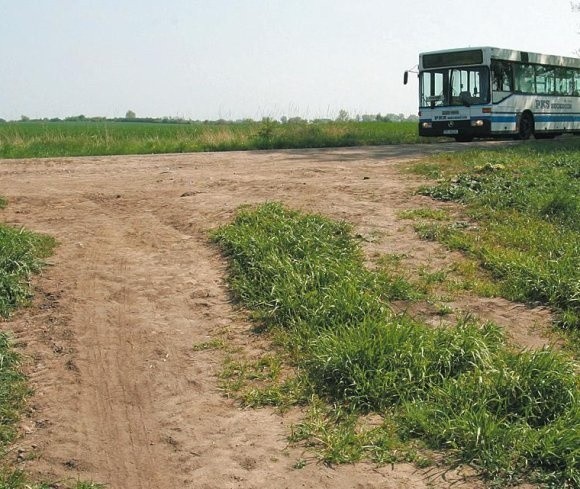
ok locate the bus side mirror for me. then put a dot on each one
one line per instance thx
(405, 77)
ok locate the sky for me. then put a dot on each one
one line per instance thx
(236, 59)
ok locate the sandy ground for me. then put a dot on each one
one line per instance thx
(120, 395)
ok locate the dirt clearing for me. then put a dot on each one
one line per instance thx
(120, 394)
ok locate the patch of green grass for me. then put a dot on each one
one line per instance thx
(13, 391)
(260, 382)
(526, 201)
(238, 373)
(518, 418)
(319, 270)
(88, 485)
(466, 275)
(342, 436)
(10, 479)
(21, 254)
(424, 213)
(511, 414)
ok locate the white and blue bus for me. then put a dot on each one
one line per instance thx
(491, 92)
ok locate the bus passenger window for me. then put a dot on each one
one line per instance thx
(501, 76)
(501, 80)
(524, 78)
(564, 81)
(545, 80)
(576, 83)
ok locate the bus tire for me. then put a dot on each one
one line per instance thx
(525, 126)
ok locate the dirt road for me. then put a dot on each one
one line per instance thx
(120, 395)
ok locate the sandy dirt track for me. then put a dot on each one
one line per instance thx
(120, 395)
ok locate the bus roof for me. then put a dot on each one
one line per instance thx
(512, 55)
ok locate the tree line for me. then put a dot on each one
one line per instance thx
(342, 116)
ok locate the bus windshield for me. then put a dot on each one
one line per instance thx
(454, 86)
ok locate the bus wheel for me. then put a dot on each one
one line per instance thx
(526, 126)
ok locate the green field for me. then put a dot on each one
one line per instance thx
(52, 139)
(511, 414)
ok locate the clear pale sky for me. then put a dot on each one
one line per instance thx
(232, 59)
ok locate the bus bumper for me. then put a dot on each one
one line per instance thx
(474, 128)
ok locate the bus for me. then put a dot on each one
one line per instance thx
(491, 92)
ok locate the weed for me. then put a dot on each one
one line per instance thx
(214, 344)
(299, 464)
(87, 485)
(443, 309)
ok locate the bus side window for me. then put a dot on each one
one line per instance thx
(501, 76)
(545, 82)
(576, 83)
(524, 78)
(564, 81)
(501, 80)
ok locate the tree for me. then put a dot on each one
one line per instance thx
(342, 116)
(130, 115)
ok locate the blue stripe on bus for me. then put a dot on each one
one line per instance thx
(557, 118)
(513, 118)
(504, 118)
(538, 118)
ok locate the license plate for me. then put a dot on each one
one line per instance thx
(451, 131)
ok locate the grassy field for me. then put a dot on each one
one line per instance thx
(513, 415)
(44, 139)
(524, 207)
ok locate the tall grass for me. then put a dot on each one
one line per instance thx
(526, 201)
(21, 254)
(513, 415)
(51, 139)
(13, 391)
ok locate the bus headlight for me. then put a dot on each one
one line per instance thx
(426, 125)
(477, 123)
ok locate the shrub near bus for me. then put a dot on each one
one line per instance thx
(486, 92)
